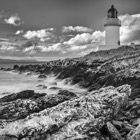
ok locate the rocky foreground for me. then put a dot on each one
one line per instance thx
(105, 114)
(109, 111)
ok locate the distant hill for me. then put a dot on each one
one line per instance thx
(12, 60)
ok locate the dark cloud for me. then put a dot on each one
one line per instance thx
(29, 44)
(58, 13)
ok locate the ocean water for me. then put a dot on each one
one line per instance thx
(13, 82)
(11, 64)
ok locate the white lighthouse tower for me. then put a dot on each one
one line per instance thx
(112, 27)
(112, 30)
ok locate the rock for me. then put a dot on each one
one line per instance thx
(53, 83)
(42, 86)
(136, 122)
(117, 124)
(55, 88)
(20, 105)
(8, 138)
(7, 69)
(21, 72)
(15, 67)
(63, 116)
(29, 73)
(40, 80)
(67, 81)
(67, 93)
(114, 133)
(5, 93)
(125, 89)
(1, 68)
(42, 76)
(21, 95)
(132, 110)
(128, 127)
(134, 134)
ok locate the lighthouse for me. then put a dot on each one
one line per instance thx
(112, 27)
(112, 30)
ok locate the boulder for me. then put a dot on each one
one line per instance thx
(42, 86)
(15, 67)
(29, 73)
(134, 134)
(21, 95)
(67, 93)
(136, 122)
(113, 132)
(53, 83)
(117, 124)
(128, 127)
(55, 88)
(67, 81)
(42, 76)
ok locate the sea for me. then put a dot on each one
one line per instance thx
(13, 82)
(11, 64)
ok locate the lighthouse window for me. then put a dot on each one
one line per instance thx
(109, 15)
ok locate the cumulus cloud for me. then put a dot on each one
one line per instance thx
(130, 30)
(40, 34)
(87, 38)
(13, 20)
(19, 32)
(76, 29)
(43, 34)
(53, 47)
(7, 47)
(78, 43)
(83, 42)
(42, 48)
(29, 49)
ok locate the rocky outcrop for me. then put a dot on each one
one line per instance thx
(105, 113)
(55, 88)
(20, 105)
(53, 83)
(42, 86)
(86, 117)
(42, 76)
(21, 95)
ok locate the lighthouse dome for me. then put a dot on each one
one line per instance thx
(112, 12)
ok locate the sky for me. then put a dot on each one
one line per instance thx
(57, 29)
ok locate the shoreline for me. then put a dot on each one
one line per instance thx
(41, 83)
(108, 110)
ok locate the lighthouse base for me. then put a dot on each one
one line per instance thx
(108, 47)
